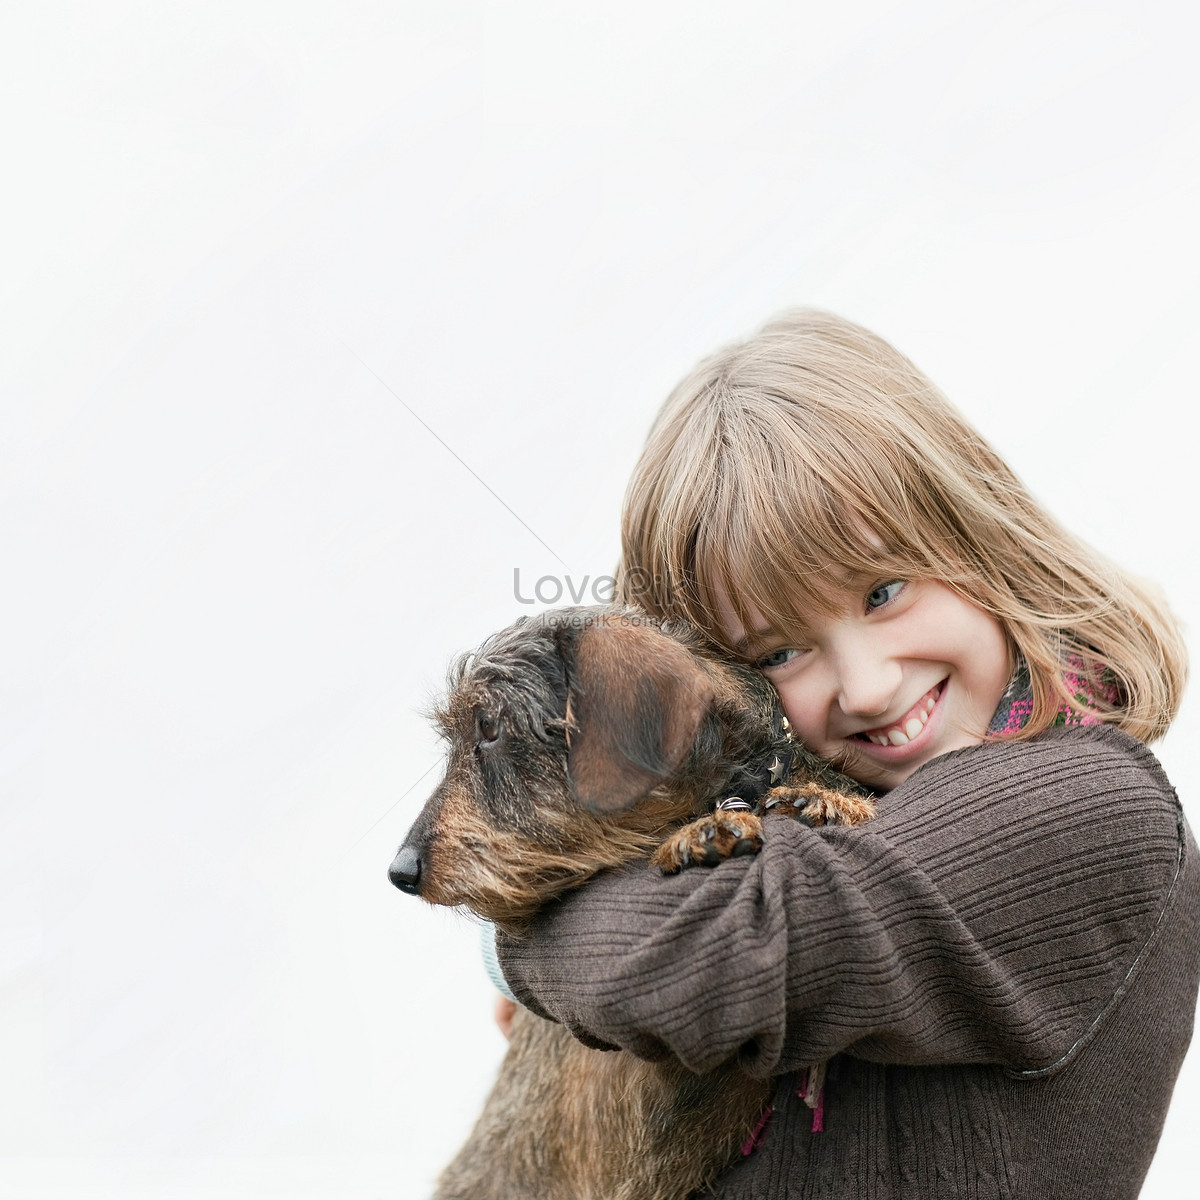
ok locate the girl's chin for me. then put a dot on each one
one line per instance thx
(881, 776)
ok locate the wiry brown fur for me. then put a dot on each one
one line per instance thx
(567, 1123)
(579, 741)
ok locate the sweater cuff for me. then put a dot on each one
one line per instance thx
(503, 947)
(487, 944)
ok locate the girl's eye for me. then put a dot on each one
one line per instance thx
(885, 593)
(777, 658)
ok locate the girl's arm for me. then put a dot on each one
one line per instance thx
(994, 911)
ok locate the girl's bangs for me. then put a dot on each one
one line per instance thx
(764, 506)
(775, 553)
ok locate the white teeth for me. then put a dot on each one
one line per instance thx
(911, 728)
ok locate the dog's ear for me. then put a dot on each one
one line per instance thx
(637, 700)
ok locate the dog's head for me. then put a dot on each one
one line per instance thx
(561, 730)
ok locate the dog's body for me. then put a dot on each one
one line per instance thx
(580, 741)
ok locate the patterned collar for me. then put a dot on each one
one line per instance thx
(1016, 704)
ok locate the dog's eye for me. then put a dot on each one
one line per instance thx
(487, 728)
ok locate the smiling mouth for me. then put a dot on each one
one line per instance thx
(909, 727)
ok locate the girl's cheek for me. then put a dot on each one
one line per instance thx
(797, 708)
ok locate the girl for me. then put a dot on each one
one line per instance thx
(1003, 965)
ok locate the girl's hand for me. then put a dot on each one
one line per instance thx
(503, 1012)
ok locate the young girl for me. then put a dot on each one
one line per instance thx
(1002, 965)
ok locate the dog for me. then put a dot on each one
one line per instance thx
(580, 741)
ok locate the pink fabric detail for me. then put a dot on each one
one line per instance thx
(1080, 688)
(818, 1121)
(756, 1136)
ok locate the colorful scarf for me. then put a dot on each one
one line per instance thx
(1016, 705)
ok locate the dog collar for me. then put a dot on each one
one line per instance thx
(750, 784)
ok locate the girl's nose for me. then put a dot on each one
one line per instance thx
(867, 683)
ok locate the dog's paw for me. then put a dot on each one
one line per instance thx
(709, 841)
(814, 805)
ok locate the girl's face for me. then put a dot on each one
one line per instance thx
(900, 673)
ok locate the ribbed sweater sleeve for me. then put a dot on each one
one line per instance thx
(994, 911)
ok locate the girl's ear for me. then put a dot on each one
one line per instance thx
(636, 701)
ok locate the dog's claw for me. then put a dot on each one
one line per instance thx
(709, 841)
(815, 806)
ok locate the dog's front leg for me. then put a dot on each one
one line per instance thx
(812, 804)
(710, 840)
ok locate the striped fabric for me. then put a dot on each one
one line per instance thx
(1002, 967)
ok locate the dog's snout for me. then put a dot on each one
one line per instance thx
(405, 871)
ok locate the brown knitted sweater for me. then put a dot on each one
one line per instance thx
(1004, 963)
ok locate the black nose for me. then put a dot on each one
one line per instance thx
(405, 871)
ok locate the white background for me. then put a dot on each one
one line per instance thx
(318, 320)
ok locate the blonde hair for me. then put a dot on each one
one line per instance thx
(814, 449)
